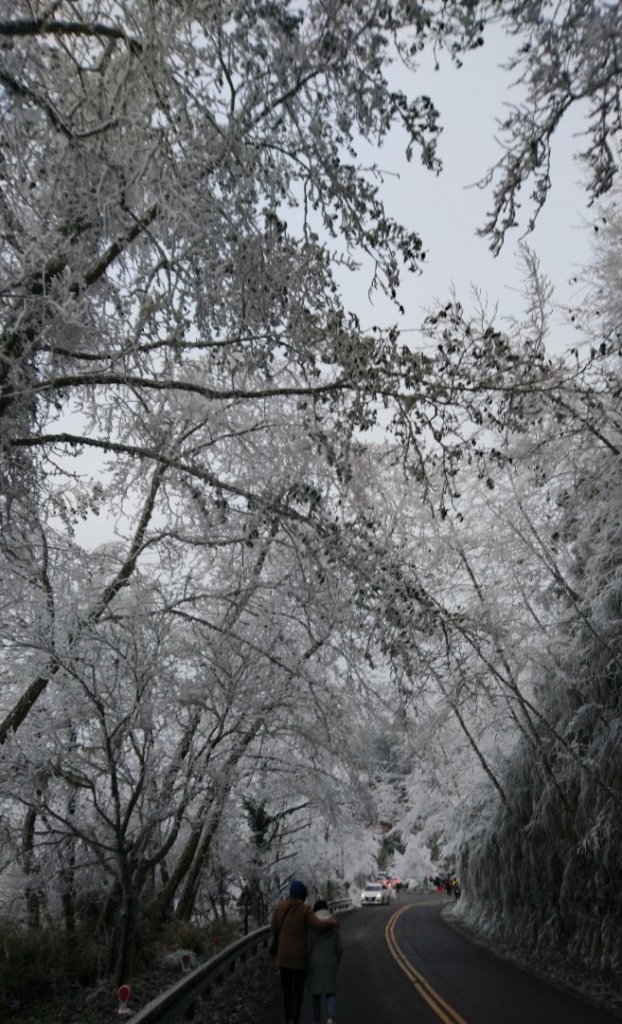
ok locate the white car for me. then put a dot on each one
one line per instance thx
(375, 893)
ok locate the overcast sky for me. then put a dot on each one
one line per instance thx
(447, 212)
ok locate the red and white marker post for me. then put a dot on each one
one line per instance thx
(124, 993)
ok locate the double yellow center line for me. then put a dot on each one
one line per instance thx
(443, 1010)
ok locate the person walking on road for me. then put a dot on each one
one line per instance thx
(325, 950)
(290, 920)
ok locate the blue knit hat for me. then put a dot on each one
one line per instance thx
(298, 890)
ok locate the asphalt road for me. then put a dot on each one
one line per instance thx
(404, 964)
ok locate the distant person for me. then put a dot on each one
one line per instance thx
(290, 920)
(325, 950)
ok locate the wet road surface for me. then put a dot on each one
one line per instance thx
(403, 963)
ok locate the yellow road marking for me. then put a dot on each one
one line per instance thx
(442, 1009)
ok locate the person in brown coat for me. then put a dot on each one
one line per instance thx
(289, 924)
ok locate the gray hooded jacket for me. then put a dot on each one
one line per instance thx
(324, 949)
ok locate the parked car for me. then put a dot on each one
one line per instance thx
(374, 892)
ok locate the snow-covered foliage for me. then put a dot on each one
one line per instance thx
(540, 857)
(566, 55)
(172, 178)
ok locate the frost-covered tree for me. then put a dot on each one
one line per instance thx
(167, 172)
(566, 56)
(537, 533)
(159, 309)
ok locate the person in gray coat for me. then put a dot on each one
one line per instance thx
(324, 951)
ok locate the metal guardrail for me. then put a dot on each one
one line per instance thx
(178, 1003)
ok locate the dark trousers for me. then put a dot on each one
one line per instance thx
(293, 985)
(331, 1006)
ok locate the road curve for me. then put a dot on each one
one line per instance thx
(404, 964)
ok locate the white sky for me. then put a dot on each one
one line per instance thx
(447, 212)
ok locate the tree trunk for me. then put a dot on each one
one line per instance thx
(163, 904)
(32, 891)
(125, 938)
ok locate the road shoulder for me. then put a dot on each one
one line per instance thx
(595, 990)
